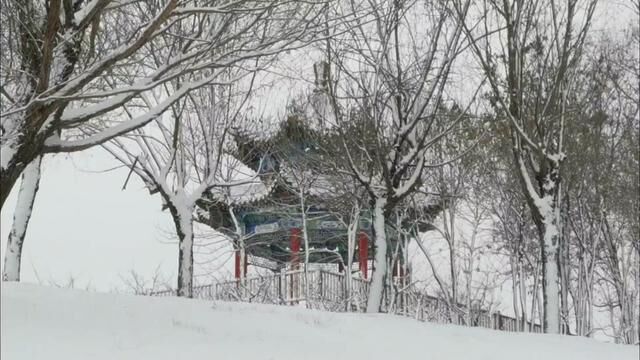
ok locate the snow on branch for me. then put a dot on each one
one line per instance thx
(57, 145)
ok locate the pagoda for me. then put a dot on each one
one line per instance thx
(290, 198)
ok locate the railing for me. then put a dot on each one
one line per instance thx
(328, 290)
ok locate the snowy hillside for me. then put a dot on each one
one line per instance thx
(50, 323)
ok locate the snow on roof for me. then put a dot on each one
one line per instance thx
(312, 182)
(247, 186)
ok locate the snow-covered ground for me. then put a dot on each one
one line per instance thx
(50, 323)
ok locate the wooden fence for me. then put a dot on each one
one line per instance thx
(326, 290)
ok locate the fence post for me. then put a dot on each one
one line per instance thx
(283, 286)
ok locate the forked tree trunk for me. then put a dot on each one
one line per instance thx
(544, 207)
(26, 197)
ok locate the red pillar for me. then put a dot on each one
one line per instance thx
(363, 253)
(237, 264)
(295, 262)
(295, 248)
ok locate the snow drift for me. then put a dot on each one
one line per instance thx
(49, 323)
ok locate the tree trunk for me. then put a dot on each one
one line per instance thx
(8, 179)
(26, 197)
(550, 288)
(449, 234)
(377, 277)
(305, 238)
(546, 215)
(469, 278)
(454, 259)
(351, 241)
(514, 285)
(183, 220)
(522, 277)
(523, 295)
(534, 298)
(563, 266)
(352, 234)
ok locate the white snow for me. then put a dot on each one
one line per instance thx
(75, 115)
(557, 157)
(50, 323)
(244, 184)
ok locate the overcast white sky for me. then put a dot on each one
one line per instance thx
(84, 226)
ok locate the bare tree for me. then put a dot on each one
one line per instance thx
(139, 284)
(529, 51)
(57, 54)
(76, 74)
(602, 217)
(385, 95)
(180, 158)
